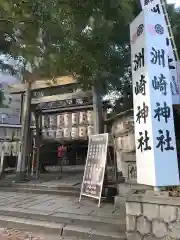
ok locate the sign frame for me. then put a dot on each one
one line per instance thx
(103, 156)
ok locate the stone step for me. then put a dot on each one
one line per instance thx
(30, 225)
(118, 224)
(93, 234)
(59, 229)
(63, 192)
(47, 186)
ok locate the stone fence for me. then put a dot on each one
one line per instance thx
(153, 216)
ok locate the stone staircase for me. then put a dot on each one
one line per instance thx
(56, 212)
(64, 224)
(61, 189)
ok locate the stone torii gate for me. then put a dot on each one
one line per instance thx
(27, 90)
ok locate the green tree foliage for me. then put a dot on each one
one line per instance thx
(174, 16)
(89, 38)
(86, 37)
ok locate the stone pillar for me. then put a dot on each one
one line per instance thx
(22, 160)
(38, 124)
(97, 109)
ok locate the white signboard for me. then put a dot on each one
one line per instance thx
(95, 166)
(153, 115)
(156, 7)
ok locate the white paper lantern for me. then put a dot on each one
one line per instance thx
(75, 118)
(90, 117)
(60, 121)
(67, 119)
(74, 132)
(59, 133)
(44, 133)
(9, 133)
(52, 133)
(43, 121)
(67, 133)
(18, 147)
(32, 119)
(2, 133)
(82, 132)
(52, 121)
(90, 130)
(82, 118)
(34, 132)
(14, 134)
(7, 148)
(46, 121)
(14, 148)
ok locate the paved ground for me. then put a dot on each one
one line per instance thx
(14, 234)
(50, 205)
(71, 175)
(54, 205)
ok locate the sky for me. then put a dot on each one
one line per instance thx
(177, 2)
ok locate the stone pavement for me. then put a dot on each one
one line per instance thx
(26, 209)
(71, 175)
(14, 234)
(53, 205)
(62, 216)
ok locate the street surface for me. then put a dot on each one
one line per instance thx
(14, 234)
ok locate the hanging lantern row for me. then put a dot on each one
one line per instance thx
(81, 132)
(67, 119)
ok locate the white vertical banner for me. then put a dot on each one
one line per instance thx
(156, 7)
(156, 155)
